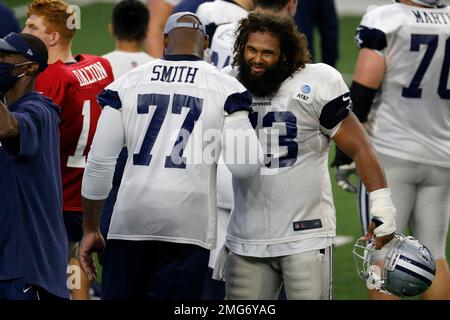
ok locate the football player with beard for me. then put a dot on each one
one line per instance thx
(221, 52)
(283, 223)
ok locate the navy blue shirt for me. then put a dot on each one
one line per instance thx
(8, 21)
(33, 241)
(108, 207)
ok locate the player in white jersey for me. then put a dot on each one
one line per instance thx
(129, 27)
(221, 52)
(223, 39)
(404, 64)
(214, 14)
(283, 224)
(168, 112)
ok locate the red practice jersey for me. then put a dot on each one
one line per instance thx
(74, 88)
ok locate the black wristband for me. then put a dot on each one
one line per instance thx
(362, 98)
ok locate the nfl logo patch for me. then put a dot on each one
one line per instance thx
(297, 225)
(306, 89)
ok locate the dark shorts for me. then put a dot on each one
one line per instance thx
(73, 221)
(153, 270)
(16, 289)
(213, 289)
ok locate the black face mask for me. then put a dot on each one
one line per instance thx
(7, 80)
(265, 85)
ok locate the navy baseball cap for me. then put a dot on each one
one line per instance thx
(173, 23)
(31, 47)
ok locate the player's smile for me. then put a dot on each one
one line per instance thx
(257, 69)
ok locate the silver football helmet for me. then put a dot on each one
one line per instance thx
(404, 267)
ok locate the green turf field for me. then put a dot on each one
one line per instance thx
(94, 38)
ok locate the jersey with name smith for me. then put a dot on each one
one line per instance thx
(172, 112)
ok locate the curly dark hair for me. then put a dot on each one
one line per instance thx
(293, 44)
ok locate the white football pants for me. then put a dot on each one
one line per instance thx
(306, 276)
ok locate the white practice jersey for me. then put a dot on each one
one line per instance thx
(123, 62)
(172, 114)
(224, 187)
(222, 45)
(288, 207)
(214, 14)
(412, 111)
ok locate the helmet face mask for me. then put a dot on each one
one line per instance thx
(403, 267)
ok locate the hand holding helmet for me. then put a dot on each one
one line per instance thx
(404, 267)
(383, 213)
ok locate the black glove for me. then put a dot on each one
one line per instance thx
(345, 167)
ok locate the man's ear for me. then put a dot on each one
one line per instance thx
(55, 36)
(166, 41)
(32, 69)
(110, 28)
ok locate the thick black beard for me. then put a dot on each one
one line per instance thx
(265, 85)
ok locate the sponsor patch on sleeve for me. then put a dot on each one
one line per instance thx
(304, 93)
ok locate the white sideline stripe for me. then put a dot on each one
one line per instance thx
(416, 269)
(343, 240)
